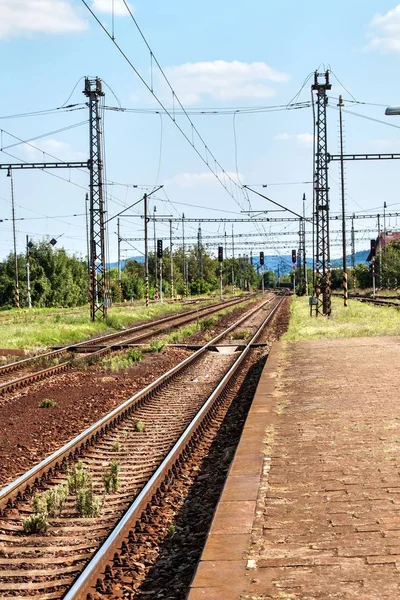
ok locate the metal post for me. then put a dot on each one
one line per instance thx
(161, 297)
(119, 251)
(373, 278)
(233, 264)
(262, 279)
(146, 256)
(380, 250)
(304, 246)
(344, 251)
(220, 280)
(322, 279)
(28, 278)
(98, 281)
(294, 279)
(184, 257)
(155, 250)
(16, 280)
(171, 258)
(87, 238)
(384, 242)
(353, 243)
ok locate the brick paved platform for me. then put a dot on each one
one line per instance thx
(311, 508)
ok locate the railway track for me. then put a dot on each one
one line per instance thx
(176, 411)
(96, 347)
(378, 300)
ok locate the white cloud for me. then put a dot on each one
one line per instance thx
(305, 139)
(385, 31)
(223, 80)
(50, 148)
(34, 16)
(187, 180)
(106, 6)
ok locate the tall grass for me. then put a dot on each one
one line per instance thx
(40, 328)
(357, 320)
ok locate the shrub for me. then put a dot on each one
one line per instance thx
(36, 523)
(111, 477)
(47, 403)
(87, 504)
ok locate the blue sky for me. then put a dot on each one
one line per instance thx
(216, 55)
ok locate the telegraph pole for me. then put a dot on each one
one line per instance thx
(323, 282)
(98, 283)
(146, 255)
(28, 277)
(171, 259)
(16, 280)
(345, 293)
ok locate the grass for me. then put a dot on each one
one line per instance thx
(122, 360)
(241, 334)
(139, 425)
(179, 335)
(39, 328)
(357, 320)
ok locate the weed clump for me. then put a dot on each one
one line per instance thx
(80, 483)
(241, 334)
(111, 477)
(116, 447)
(47, 403)
(35, 523)
(156, 345)
(139, 425)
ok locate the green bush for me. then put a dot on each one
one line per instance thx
(36, 523)
(47, 403)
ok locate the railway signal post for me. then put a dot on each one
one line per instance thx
(262, 270)
(160, 258)
(294, 258)
(220, 260)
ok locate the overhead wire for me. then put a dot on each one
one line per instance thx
(174, 97)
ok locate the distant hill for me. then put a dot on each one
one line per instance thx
(272, 262)
(114, 265)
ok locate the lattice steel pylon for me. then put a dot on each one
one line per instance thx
(98, 284)
(321, 193)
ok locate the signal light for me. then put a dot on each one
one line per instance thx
(159, 249)
(373, 247)
(262, 259)
(220, 254)
(293, 256)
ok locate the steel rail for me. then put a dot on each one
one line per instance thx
(109, 552)
(25, 380)
(21, 487)
(9, 368)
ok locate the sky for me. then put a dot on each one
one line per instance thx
(234, 61)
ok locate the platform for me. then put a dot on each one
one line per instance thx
(311, 506)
